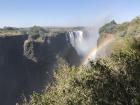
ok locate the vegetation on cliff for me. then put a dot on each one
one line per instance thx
(131, 28)
(113, 80)
(114, 30)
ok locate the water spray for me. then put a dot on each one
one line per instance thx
(92, 54)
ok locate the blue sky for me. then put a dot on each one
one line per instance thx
(23, 13)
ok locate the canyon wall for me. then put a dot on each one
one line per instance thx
(27, 65)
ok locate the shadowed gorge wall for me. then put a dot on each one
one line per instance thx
(26, 65)
(12, 73)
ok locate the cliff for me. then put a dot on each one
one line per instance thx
(113, 29)
(26, 64)
(12, 69)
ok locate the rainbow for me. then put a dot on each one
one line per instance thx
(91, 55)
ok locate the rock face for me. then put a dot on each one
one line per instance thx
(12, 73)
(52, 48)
(26, 65)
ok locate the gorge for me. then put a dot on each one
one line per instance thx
(27, 65)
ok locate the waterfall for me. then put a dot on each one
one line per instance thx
(84, 43)
(76, 39)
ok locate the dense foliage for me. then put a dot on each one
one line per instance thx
(113, 80)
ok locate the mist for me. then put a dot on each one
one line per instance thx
(85, 41)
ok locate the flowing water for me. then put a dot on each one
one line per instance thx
(82, 44)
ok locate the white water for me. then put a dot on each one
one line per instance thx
(82, 42)
(76, 39)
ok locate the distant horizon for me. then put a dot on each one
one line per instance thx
(70, 26)
(62, 13)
